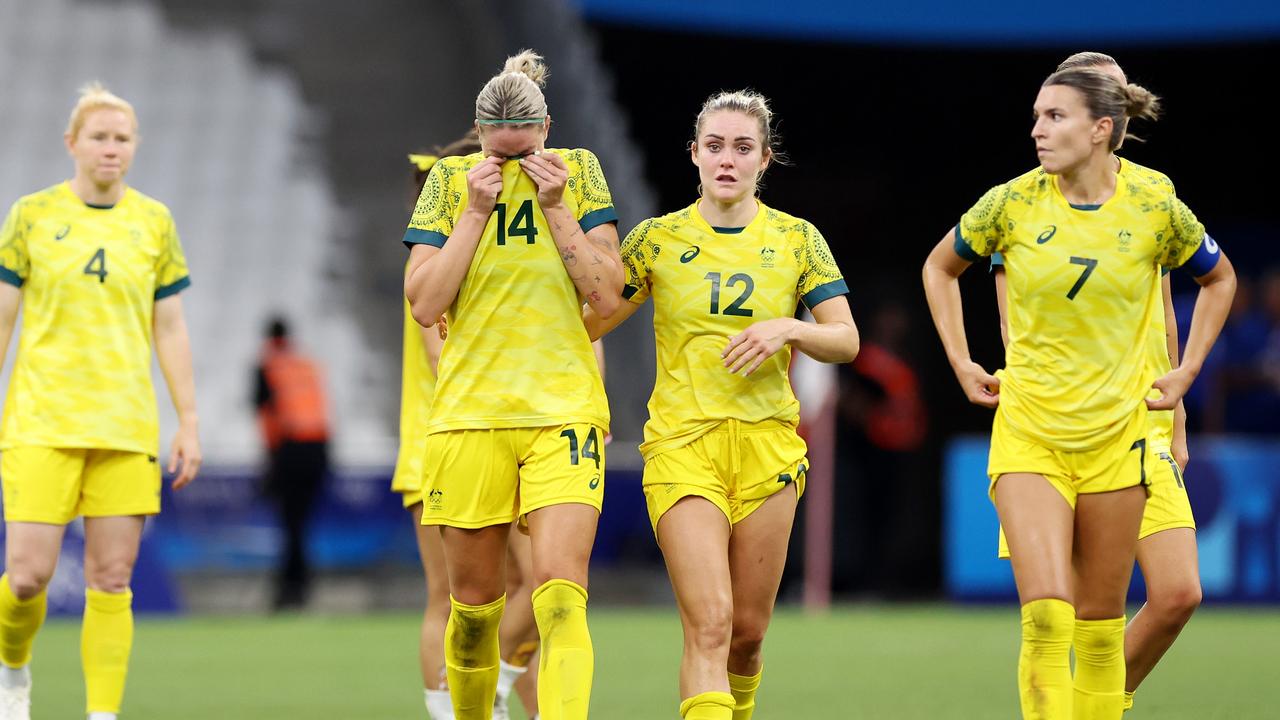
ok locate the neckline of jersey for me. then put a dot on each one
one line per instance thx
(94, 206)
(1121, 191)
(728, 230)
(697, 213)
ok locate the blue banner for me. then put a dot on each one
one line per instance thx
(944, 22)
(1235, 495)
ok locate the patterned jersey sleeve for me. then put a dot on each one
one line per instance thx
(591, 192)
(638, 254)
(432, 221)
(1185, 243)
(980, 231)
(15, 264)
(820, 277)
(171, 264)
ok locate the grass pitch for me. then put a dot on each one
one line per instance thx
(892, 662)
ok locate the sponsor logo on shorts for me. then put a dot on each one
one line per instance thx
(595, 482)
(151, 459)
(435, 498)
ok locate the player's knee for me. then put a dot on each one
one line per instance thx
(747, 640)
(1177, 606)
(26, 583)
(711, 627)
(109, 577)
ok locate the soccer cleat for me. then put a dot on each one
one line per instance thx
(501, 710)
(439, 705)
(15, 702)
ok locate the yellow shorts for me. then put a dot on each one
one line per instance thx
(55, 485)
(1122, 464)
(407, 479)
(1167, 504)
(478, 478)
(736, 466)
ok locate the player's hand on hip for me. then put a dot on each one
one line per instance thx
(549, 172)
(184, 456)
(1172, 387)
(981, 387)
(484, 185)
(748, 350)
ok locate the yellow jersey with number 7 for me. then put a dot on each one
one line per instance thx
(1083, 286)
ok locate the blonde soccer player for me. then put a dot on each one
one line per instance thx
(724, 467)
(97, 268)
(1083, 245)
(1166, 552)
(509, 242)
(421, 354)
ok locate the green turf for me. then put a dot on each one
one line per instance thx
(864, 662)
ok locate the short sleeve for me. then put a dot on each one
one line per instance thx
(980, 231)
(172, 276)
(637, 254)
(820, 277)
(15, 263)
(1182, 239)
(432, 220)
(591, 192)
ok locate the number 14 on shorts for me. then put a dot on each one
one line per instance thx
(589, 449)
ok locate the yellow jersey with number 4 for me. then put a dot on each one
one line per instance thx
(518, 354)
(90, 278)
(1083, 291)
(709, 284)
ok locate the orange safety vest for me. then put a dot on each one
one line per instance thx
(297, 410)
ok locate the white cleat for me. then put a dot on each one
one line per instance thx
(15, 702)
(501, 709)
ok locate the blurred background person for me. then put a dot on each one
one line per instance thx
(293, 416)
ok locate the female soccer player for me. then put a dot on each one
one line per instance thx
(509, 241)
(98, 267)
(1166, 550)
(724, 466)
(421, 355)
(1082, 246)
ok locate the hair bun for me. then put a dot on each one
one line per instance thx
(530, 64)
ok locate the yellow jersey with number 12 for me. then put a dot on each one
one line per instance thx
(90, 278)
(1083, 289)
(518, 354)
(708, 285)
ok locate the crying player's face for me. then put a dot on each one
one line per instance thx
(512, 141)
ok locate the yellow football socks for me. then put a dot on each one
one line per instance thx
(471, 657)
(20, 620)
(1099, 681)
(106, 638)
(744, 689)
(1128, 700)
(708, 706)
(567, 662)
(1044, 664)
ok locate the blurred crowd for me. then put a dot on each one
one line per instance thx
(1238, 390)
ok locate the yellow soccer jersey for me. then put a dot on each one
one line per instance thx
(707, 286)
(518, 354)
(417, 386)
(1083, 285)
(90, 278)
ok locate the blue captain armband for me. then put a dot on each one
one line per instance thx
(963, 249)
(1205, 258)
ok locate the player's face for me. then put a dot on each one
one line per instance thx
(513, 142)
(1065, 134)
(104, 147)
(730, 156)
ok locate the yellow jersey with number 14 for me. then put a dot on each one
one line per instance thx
(518, 354)
(90, 278)
(1083, 286)
(708, 285)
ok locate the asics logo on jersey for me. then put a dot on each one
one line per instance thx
(63, 232)
(690, 254)
(1047, 235)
